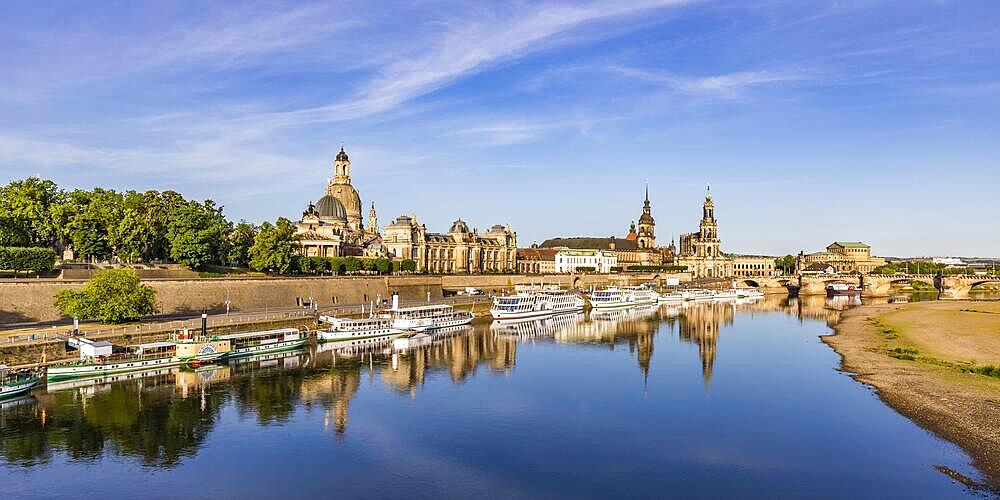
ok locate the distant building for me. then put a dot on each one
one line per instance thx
(949, 261)
(536, 260)
(846, 257)
(701, 252)
(570, 260)
(754, 266)
(459, 251)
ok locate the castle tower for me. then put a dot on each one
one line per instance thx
(647, 235)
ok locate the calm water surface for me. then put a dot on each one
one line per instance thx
(712, 400)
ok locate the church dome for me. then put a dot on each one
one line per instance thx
(330, 207)
(342, 156)
(459, 227)
(645, 219)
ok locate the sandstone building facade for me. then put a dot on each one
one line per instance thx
(845, 257)
(701, 252)
(460, 250)
(333, 226)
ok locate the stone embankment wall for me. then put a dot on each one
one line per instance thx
(33, 300)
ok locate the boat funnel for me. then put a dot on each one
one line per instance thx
(395, 301)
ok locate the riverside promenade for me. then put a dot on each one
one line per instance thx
(19, 342)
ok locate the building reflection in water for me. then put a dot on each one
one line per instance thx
(162, 416)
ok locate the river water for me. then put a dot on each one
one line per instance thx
(705, 401)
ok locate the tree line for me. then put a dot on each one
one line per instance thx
(130, 226)
(37, 218)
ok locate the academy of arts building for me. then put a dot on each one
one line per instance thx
(334, 227)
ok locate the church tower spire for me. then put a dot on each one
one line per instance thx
(647, 226)
(373, 220)
(342, 168)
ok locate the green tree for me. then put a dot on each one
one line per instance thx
(112, 296)
(64, 213)
(241, 239)
(352, 264)
(89, 236)
(24, 212)
(786, 264)
(274, 248)
(197, 234)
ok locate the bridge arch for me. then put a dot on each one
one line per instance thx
(750, 283)
(991, 283)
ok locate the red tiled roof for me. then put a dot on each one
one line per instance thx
(537, 253)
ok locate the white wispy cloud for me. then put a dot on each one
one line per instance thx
(465, 47)
(728, 85)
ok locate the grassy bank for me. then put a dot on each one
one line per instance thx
(937, 364)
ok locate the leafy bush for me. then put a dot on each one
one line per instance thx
(33, 259)
(112, 296)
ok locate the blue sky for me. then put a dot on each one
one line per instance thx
(812, 121)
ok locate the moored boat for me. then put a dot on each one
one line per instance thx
(564, 301)
(842, 289)
(16, 382)
(133, 358)
(246, 344)
(521, 305)
(613, 297)
(671, 297)
(725, 295)
(748, 293)
(355, 329)
(698, 294)
(536, 304)
(421, 318)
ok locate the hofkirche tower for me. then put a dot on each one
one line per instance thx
(647, 226)
(340, 188)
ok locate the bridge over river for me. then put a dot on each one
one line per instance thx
(877, 285)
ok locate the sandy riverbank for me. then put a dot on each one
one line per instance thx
(921, 357)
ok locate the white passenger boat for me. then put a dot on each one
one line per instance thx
(14, 383)
(246, 344)
(137, 357)
(748, 293)
(564, 301)
(523, 305)
(520, 306)
(429, 317)
(421, 318)
(355, 329)
(726, 295)
(612, 297)
(698, 294)
(670, 297)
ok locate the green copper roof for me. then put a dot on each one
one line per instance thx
(851, 244)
